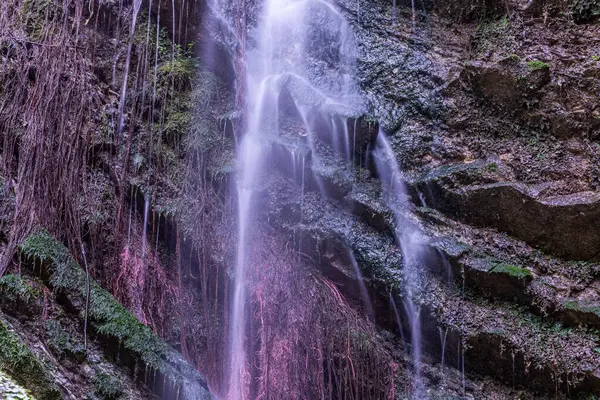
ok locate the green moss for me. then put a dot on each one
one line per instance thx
(15, 287)
(514, 58)
(576, 305)
(495, 35)
(538, 65)
(512, 270)
(109, 317)
(23, 366)
(107, 386)
(62, 342)
(585, 10)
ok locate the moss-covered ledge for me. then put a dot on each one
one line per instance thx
(23, 366)
(142, 349)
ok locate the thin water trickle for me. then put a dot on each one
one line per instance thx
(354, 142)
(121, 118)
(145, 230)
(398, 320)
(407, 236)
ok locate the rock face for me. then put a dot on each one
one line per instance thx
(495, 124)
(491, 109)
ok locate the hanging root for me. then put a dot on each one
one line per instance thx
(307, 341)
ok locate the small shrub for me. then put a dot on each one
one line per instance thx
(585, 10)
(493, 167)
(107, 386)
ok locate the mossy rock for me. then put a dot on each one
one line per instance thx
(538, 65)
(17, 288)
(11, 390)
(512, 270)
(107, 316)
(62, 342)
(26, 369)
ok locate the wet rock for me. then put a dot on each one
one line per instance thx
(513, 207)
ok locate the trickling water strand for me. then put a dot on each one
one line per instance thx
(463, 371)
(363, 288)
(354, 143)
(145, 231)
(395, 11)
(346, 136)
(443, 343)
(414, 16)
(136, 9)
(415, 338)
(406, 236)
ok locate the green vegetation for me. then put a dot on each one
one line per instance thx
(538, 65)
(35, 13)
(15, 287)
(108, 316)
(23, 366)
(492, 167)
(515, 58)
(512, 270)
(62, 342)
(495, 35)
(107, 386)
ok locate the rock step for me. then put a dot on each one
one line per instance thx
(516, 208)
(489, 332)
(493, 275)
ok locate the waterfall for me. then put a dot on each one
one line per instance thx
(407, 236)
(306, 49)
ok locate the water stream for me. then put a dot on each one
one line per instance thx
(408, 239)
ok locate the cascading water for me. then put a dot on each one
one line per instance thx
(407, 236)
(304, 47)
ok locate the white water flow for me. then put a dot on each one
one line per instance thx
(407, 236)
(305, 48)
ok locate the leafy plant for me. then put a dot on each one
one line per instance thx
(61, 341)
(585, 10)
(15, 287)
